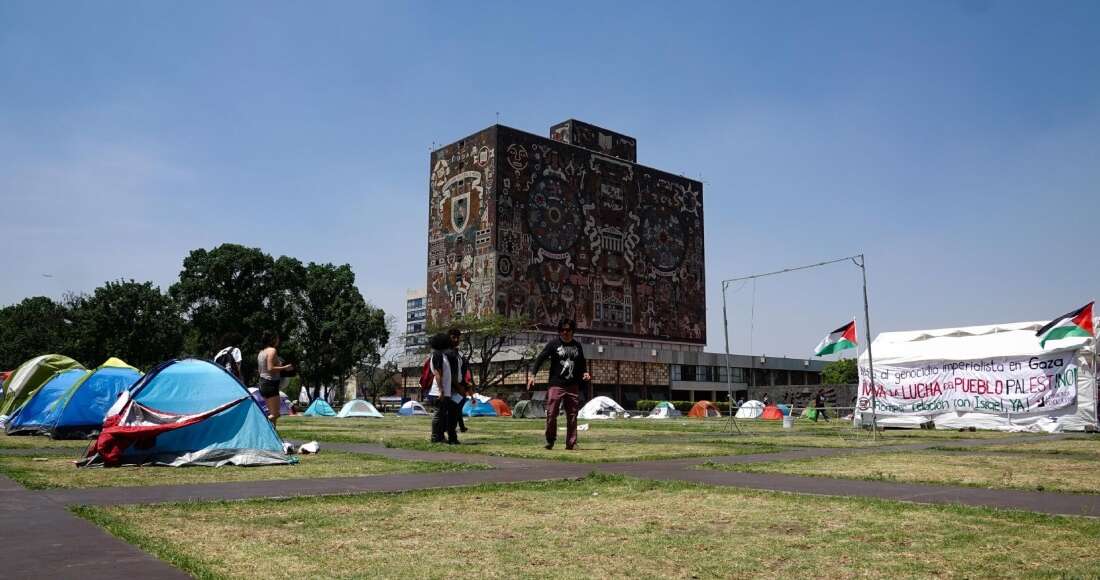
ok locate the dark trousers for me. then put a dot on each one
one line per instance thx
(445, 422)
(555, 399)
(458, 419)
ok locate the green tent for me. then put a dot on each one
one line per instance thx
(529, 410)
(31, 375)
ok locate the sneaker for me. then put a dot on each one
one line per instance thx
(464, 429)
(548, 446)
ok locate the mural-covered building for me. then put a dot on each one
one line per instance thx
(570, 226)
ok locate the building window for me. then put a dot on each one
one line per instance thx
(721, 374)
(687, 373)
(702, 374)
(674, 372)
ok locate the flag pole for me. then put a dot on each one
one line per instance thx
(862, 263)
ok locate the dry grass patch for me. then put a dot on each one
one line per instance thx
(976, 469)
(28, 442)
(52, 472)
(1083, 447)
(614, 440)
(602, 527)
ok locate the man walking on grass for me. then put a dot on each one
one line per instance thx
(567, 373)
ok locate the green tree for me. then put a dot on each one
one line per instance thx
(840, 372)
(376, 372)
(337, 328)
(232, 288)
(491, 342)
(133, 321)
(33, 327)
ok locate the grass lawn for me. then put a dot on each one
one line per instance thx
(601, 527)
(1027, 467)
(1083, 446)
(614, 440)
(26, 442)
(50, 471)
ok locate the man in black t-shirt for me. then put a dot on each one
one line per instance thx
(568, 370)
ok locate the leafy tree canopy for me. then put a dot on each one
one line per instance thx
(234, 289)
(840, 372)
(337, 328)
(33, 327)
(127, 319)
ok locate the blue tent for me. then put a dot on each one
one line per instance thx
(784, 409)
(33, 418)
(79, 412)
(187, 412)
(475, 408)
(320, 408)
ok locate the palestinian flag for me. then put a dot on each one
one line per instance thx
(1076, 323)
(840, 339)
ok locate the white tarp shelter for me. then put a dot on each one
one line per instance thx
(987, 377)
(601, 408)
(750, 410)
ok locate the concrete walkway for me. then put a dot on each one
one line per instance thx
(40, 537)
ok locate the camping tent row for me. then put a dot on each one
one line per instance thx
(71, 403)
(351, 409)
(701, 409)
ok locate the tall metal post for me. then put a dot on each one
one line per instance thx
(870, 359)
(729, 373)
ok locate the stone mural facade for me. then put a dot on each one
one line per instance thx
(527, 225)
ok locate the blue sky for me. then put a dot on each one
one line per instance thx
(953, 142)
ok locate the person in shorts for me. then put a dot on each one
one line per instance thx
(271, 369)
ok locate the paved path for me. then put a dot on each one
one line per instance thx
(39, 537)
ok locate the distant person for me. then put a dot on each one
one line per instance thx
(766, 400)
(229, 357)
(443, 364)
(568, 370)
(819, 405)
(271, 369)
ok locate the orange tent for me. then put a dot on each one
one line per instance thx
(772, 413)
(502, 408)
(704, 409)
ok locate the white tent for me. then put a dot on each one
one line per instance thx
(986, 377)
(601, 408)
(412, 408)
(664, 410)
(750, 410)
(358, 408)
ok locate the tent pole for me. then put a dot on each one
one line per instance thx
(862, 263)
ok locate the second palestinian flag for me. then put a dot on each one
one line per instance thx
(1076, 323)
(840, 339)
